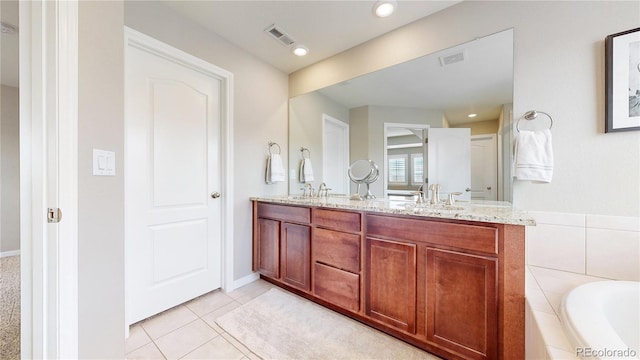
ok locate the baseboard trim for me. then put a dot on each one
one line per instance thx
(9, 253)
(245, 280)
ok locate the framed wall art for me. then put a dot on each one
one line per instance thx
(622, 81)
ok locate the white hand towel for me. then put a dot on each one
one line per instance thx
(275, 169)
(307, 170)
(534, 156)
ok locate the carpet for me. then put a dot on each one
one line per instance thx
(280, 325)
(10, 307)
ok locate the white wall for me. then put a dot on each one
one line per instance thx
(558, 68)
(10, 172)
(260, 109)
(100, 198)
(305, 130)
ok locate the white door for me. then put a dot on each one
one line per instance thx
(449, 160)
(335, 155)
(172, 169)
(48, 81)
(484, 167)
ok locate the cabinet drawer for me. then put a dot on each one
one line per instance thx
(285, 212)
(338, 287)
(338, 220)
(338, 249)
(462, 236)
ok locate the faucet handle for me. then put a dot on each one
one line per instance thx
(450, 199)
(420, 198)
(435, 194)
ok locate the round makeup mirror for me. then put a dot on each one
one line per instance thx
(363, 172)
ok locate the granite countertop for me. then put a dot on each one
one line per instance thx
(499, 212)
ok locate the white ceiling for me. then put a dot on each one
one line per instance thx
(326, 27)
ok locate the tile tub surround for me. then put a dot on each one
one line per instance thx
(499, 212)
(565, 250)
(595, 245)
(544, 334)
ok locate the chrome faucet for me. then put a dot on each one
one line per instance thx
(308, 186)
(450, 199)
(420, 196)
(321, 188)
(435, 194)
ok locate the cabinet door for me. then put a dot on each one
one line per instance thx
(391, 283)
(295, 247)
(268, 256)
(462, 303)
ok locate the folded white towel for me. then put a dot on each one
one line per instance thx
(306, 170)
(275, 169)
(533, 156)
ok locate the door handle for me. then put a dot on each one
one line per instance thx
(488, 187)
(215, 195)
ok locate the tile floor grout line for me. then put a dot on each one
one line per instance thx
(239, 342)
(143, 345)
(224, 332)
(255, 292)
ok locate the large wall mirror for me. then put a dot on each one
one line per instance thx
(401, 117)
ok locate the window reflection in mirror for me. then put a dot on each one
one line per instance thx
(405, 153)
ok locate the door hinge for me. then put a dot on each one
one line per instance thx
(54, 215)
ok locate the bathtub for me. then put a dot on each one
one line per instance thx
(602, 319)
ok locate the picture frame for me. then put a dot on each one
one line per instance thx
(622, 81)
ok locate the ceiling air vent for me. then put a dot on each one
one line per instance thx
(279, 35)
(453, 58)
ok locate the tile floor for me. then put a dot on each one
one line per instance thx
(189, 331)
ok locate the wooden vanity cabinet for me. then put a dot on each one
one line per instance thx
(282, 244)
(266, 252)
(390, 285)
(454, 288)
(295, 255)
(336, 252)
(461, 304)
(438, 281)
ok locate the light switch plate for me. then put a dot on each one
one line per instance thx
(104, 163)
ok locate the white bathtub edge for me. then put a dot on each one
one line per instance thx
(584, 321)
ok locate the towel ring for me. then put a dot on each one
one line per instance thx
(532, 114)
(302, 150)
(271, 144)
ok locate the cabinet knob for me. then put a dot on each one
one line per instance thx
(215, 195)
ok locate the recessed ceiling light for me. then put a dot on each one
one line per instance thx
(384, 8)
(300, 50)
(472, 115)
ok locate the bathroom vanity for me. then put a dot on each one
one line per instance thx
(449, 280)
